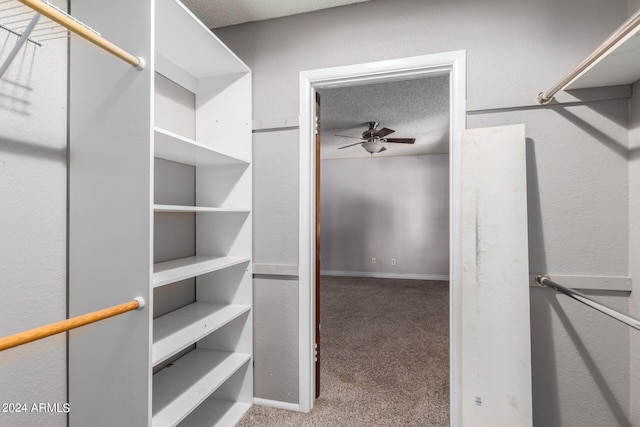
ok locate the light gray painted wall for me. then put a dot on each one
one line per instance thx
(275, 197)
(275, 353)
(634, 239)
(577, 178)
(578, 215)
(393, 207)
(634, 248)
(515, 49)
(577, 158)
(33, 190)
(275, 298)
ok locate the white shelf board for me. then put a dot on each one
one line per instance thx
(203, 209)
(193, 266)
(180, 328)
(620, 66)
(174, 147)
(179, 34)
(179, 389)
(216, 413)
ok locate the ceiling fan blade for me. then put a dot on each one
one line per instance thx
(383, 132)
(382, 149)
(348, 136)
(401, 140)
(350, 145)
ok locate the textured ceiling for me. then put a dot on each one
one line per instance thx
(221, 13)
(416, 108)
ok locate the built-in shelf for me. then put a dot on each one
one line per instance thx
(179, 329)
(619, 66)
(176, 148)
(216, 413)
(204, 209)
(199, 190)
(180, 388)
(185, 35)
(185, 268)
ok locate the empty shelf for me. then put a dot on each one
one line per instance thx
(204, 209)
(620, 65)
(219, 60)
(180, 388)
(185, 268)
(216, 413)
(171, 146)
(180, 328)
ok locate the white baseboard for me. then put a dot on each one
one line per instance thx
(276, 404)
(382, 275)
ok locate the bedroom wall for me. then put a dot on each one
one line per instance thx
(33, 231)
(385, 208)
(577, 169)
(634, 239)
(634, 248)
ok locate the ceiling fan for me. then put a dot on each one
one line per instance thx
(374, 137)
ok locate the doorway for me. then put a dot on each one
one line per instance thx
(452, 63)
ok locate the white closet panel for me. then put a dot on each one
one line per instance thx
(496, 349)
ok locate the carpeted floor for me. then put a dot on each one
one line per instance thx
(385, 356)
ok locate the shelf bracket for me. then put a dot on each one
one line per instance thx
(21, 41)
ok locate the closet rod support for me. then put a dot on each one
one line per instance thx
(21, 41)
(546, 282)
(83, 31)
(66, 325)
(15, 33)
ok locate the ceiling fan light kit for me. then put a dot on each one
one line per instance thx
(373, 146)
(374, 137)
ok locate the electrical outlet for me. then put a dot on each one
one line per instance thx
(373, 260)
(393, 261)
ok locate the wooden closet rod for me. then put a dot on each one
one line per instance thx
(66, 325)
(80, 29)
(625, 31)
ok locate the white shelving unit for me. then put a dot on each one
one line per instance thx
(193, 266)
(184, 241)
(170, 146)
(180, 328)
(179, 390)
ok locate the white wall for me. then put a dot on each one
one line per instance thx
(386, 208)
(577, 161)
(33, 189)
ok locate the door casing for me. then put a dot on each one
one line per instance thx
(452, 63)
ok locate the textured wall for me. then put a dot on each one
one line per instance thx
(276, 353)
(576, 155)
(275, 197)
(33, 180)
(275, 298)
(389, 208)
(515, 49)
(634, 247)
(634, 238)
(577, 178)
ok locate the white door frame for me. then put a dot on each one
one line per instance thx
(453, 63)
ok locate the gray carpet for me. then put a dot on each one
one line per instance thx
(385, 356)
